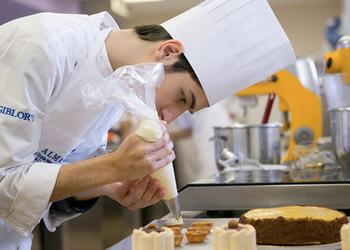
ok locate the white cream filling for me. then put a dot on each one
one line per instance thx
(149, 130)
(174, 222)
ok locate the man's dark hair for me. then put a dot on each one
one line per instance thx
(154, 33)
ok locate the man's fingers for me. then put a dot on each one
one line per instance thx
(152, 195)
(125, 188)
(163, 122)
(164, 140)
(159, 162)
(136, 191)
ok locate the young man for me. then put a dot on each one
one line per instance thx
(49, 140)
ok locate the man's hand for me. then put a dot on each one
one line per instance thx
(136, 158)
(135, 194)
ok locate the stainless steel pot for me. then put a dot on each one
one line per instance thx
(340, 128)
(261, 143)
(336, 90)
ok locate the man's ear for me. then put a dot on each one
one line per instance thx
(168, 49)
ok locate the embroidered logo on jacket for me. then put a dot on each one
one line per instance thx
(48, 156)
(17, 114)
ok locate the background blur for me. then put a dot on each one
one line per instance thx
(106, 224)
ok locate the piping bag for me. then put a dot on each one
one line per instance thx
(132, 89)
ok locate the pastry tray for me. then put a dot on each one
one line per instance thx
(208, 242)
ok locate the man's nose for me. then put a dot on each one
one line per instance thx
(169, 114)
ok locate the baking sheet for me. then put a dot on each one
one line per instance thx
(207, 244)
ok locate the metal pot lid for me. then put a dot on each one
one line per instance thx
(239, 125)
(340, 109)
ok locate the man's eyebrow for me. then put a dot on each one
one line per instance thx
(193, 102)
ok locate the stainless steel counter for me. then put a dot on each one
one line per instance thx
(245, 190)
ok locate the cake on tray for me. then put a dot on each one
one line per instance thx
(295, 225)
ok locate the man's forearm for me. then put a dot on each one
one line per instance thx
(80, 177)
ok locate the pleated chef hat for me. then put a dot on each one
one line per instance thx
(231, 44)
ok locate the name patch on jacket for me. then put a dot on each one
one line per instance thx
(17, 114)
(48, 156)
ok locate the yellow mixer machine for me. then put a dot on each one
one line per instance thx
(302, 105)
(339, 60)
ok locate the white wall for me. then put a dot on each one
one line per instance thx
(304, 22)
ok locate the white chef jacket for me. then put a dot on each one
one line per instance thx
(45, 59)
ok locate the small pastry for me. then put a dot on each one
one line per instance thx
(196, 237)
(197, 229)
(234, 236)
(178, 239)
(152, 237)
(174, 223)
(177, 229)
(204, 225)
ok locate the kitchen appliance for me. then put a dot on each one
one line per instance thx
(298, 101)
(339, 60)
(337, 92)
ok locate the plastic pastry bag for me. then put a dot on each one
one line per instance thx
(130, 88)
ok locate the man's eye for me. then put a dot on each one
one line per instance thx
(182, 98)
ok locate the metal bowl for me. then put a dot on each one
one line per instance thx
(336, 90)
(340, 128)
(258, 143)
